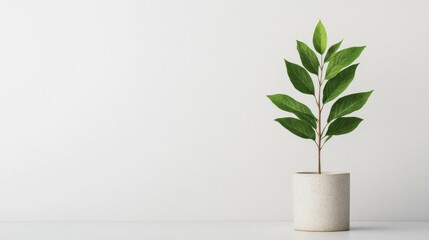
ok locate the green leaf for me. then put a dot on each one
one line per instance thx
(320, 38)
(339, 83)
(308, 57)
(298, 127)
(341, 60)
(332, 50)
(300, 78)
(348, 104)
(288, 104)
(327, 138)
(343, 125)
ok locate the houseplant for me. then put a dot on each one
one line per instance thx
(322, 199)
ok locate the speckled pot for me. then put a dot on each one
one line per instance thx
(321, 202)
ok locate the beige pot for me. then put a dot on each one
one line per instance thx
(321, 202)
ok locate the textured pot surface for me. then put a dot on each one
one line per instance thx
(321, 202)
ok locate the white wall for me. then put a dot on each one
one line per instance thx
(156, 110)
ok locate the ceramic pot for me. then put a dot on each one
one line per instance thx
(321, 202)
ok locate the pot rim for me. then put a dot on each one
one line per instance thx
(322, 174)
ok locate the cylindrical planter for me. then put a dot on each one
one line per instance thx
(321, 202)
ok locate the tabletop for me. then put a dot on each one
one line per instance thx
(204, 231)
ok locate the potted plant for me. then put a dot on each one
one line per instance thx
(322, 199)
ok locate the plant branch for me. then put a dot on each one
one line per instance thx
(323, 144)
(316, 100)
(319, 122)
(316, 143)
(323, 131)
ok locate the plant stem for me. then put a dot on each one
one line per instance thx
(319, 121)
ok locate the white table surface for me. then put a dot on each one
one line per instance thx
(205, 231)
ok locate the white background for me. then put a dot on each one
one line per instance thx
(157, 110)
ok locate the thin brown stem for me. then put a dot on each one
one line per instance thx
(323, 144)
(319, 120)
(316, 100)
(323, 131)
(320, 142)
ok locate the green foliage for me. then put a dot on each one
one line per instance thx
(300, 78)
(288, 104)
(341, 60)
(339, 74)
(298, 127)
(348, 104)
(320, 38)
(339, 83)
(308, 57)
(343, 125)
(332, 50)
(327, 138)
